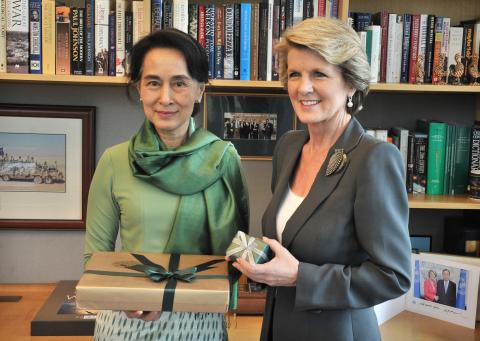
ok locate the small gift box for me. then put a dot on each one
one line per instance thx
(154, 282)
(252, 249)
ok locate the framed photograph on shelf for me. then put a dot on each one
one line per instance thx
(252, 122)
(46, 165)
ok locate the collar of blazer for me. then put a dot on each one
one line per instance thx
(321, 188)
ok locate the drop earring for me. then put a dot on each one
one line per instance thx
(349, 102)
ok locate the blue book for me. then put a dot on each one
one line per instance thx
(245, 26)
(35, 15)
(89, 37)
(157, 6)
(210, 38)
(407, 26)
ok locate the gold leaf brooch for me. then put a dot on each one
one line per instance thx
(336, 163)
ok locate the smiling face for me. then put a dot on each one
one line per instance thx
(316, 88)
(168, 92)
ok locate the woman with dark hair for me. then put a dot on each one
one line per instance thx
(338, 218)
(171, 188)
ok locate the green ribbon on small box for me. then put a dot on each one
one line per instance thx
(157, 273)
(249, 248)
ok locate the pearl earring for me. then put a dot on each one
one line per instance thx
(141, 99)
(349, 102)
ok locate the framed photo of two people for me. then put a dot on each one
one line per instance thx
(252, 122)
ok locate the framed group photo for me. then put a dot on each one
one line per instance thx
(252, 122)
(46, 165)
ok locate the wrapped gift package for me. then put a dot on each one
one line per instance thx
(252, 249)
(154, 282)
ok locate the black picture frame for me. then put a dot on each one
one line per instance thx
(256, 108)
(76, 123)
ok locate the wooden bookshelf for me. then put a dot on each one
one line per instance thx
(445, 202)
(63, 79)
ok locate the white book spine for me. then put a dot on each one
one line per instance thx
(269, 40)
(315, 8)
(397, 66)
(120, 37)
(381, 134)
(422, 42)
(454, 44)
(392, 34)
(297, 11)
(363, 39)
(229, 42)
(138, 24)
(180, 15)
(375, 51)
(3, 35)
(102, 9)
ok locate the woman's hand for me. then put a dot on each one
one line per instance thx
(146, 316)
(282, 270)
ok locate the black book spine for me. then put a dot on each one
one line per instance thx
(193, 21)
(262, 42)
(307, 9)
(289, 13)
(410, 162)
(429, 49)
(112, 44)
(128, 38)
(167, 14)
(474, 176)
(75, 42)
(420, 164)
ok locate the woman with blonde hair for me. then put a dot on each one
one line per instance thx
(338, 219)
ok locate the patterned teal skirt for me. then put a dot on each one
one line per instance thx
(175, 326)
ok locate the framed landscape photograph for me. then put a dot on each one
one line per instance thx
(252, 122)
(46, 165)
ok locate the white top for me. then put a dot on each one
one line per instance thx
(289, 205)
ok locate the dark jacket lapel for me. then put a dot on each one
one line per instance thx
(323, 185)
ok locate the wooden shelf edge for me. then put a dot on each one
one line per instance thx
(445, 202)
(63, 79)
(394, 87)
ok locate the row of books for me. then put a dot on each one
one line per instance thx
(95, 37)
(439, 158)
(419, 48)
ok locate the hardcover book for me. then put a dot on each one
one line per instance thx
(17, 36)
(62, 55)
(35, 36)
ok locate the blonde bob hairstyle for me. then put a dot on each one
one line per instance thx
(338, 44)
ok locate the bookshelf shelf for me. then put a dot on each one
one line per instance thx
(235, 85)
(445, 202)
(63, 79)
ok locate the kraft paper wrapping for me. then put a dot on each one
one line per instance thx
(121, 292)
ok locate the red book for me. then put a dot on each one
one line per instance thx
(201, 25)
(381, 18)
(414, 39)
(321, 7)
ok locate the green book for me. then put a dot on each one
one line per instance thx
(437, 135)
(461, 160)
(448, 158)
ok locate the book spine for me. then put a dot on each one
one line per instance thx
(283, 13)
(436, 157)
(62, 56)
(89, 37)
(429, 49)
(75, 42)
(297, 11)
(3, 35)
(448, 157)
(467, 49)
(229, 41)
(275, 38)
(334, 8)
(269, 40)
(414, 36)
(102, 10)
(444, 49)
(407, 25)
(167, 20)
(308, 9)
(35, 36)
(381, 19)
(254, 41)
(437, 46)
(474, 174)
(157, 9)
(454, 49)
(201, 25)
(263, 42)
(120, 10)
(461, 160)
(236, 43)
(420, 164)
(180, 15)
(138, 21)
(321, 7)
(219, 41)
(245, 27)
(410, 162)
(391, 49)
(422, 47)
(112, 42)
(193, 21)
(17, 36)
(81, 40)
(289, 13)
(128, 37)
(210, 38)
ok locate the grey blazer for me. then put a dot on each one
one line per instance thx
(350, 235)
